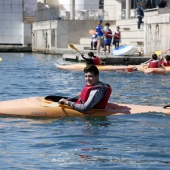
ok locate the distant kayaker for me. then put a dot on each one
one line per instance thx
(92, 59)
(166, 62)
(95, 94)
(154, 63)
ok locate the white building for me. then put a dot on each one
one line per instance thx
(13, 29)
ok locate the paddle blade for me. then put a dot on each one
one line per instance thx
(0, 59)
(72, 46)
(158, 53)
(92, 32)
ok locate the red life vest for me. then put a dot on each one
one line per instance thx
(96, 61)
(85, 94)
(117, 35)
(107, 32)
(164, 63)
(154, 64)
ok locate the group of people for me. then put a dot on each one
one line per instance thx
(104, 38)
(156, 63)
(95, 93)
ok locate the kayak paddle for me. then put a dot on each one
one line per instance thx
(0, 59)
(135, 69)
(74, 48)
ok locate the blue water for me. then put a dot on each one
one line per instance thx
(139, 141)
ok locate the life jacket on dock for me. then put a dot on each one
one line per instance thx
(85, 94)
(117, 35)
(107, 32)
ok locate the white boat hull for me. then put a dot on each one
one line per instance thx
(124, 51)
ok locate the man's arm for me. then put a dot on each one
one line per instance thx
(88, 60)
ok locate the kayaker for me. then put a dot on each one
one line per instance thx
(154, 63)
(92, 59)
(95, 94)
(166, 63)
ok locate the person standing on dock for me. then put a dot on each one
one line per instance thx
(140, 13)
(107, 37)
(94, 42)
(117, 37)
(99, 32)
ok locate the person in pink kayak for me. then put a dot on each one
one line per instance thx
(95, 93)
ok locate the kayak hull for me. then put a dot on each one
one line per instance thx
(147, 70)
(124, 51)
(80, 67)
(39, 107)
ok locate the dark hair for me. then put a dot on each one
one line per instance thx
(91, 54)
(167, 57)
(92, 69)
(154, 56)
(107, 24)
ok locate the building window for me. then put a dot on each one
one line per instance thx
(101, 4)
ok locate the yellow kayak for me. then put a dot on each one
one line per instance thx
(49, 107)
(147, 70)
(81, 66)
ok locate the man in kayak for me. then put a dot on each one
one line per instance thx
(95, 94)
(166, 63)
(92, 59)
(154, 63)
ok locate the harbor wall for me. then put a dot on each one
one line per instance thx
(156, 30)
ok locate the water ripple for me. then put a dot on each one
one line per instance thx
(113, 142)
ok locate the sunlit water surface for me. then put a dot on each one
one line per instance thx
(116, 142)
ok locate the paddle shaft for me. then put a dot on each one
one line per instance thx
(142, 63)
(165, 51)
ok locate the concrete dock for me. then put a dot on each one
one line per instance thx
(72, 55)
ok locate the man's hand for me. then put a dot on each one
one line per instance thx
(63, 101)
